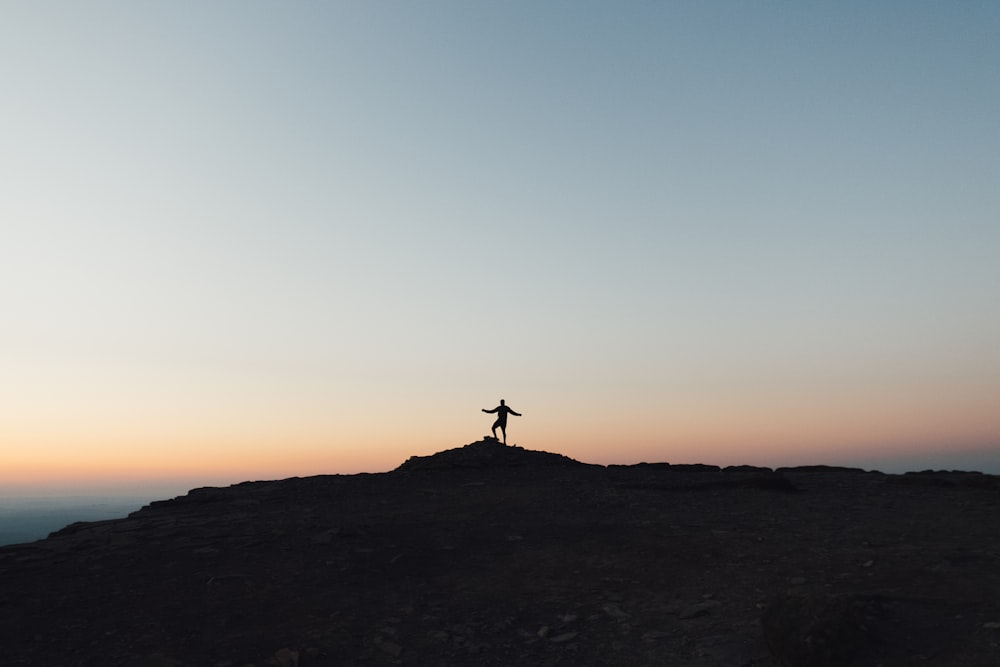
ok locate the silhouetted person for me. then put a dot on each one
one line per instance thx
(502, 412)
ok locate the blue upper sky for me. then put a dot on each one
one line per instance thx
(719, 231)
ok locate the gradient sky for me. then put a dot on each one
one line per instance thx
(262, 239)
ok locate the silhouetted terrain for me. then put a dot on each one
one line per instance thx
(493, 555)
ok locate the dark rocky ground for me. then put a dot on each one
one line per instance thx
(492, 555)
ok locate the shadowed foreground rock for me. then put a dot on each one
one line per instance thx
(493, 555)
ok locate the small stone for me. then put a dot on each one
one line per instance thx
(326, 537)
(286, 657)
(564, 637)
(614, 611)
(699, 609)
(392, 648)
(543, 631)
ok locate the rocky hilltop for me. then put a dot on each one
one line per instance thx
(494, 555)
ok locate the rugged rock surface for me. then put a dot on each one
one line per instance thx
(487, 453)
(486, 555)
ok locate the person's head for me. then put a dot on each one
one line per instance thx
(501, 401)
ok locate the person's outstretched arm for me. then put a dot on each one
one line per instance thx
(493, 410)
(516, 414)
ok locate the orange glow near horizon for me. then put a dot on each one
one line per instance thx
(756, 437)
(163, 438)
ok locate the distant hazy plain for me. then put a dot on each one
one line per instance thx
(30, 519)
